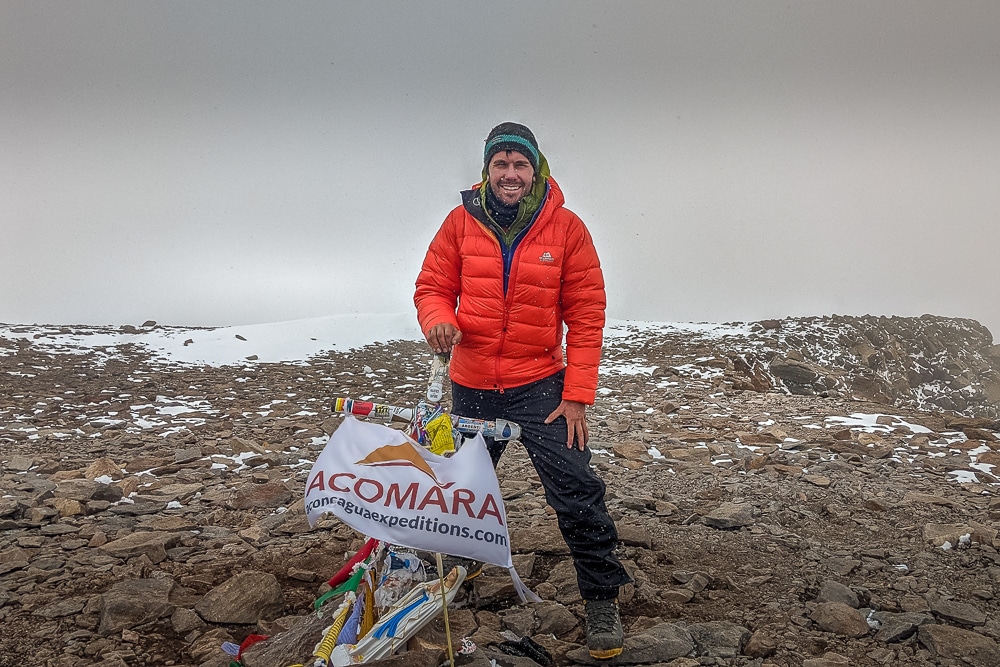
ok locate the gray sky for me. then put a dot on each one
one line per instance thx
(212, 163)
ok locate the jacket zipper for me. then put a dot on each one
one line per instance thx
(503, 322)
(507, 291)
(507, 302)
(503, 336)
(506, 312)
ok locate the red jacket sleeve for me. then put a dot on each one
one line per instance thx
(438, 282)
(583, 305)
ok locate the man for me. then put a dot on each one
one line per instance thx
(505, 272)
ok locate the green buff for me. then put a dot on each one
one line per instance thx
(526, 208)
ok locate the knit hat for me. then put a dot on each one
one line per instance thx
(511, 137)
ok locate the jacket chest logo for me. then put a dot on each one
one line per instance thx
(546, 257)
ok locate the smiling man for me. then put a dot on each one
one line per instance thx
(508, 272)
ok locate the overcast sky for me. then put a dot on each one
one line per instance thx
(218, 163)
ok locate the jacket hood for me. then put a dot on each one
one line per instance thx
(473, 203)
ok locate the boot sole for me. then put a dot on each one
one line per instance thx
(606, 654)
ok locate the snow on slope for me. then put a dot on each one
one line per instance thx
(291, 341)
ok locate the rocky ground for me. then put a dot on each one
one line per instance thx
(151, 512)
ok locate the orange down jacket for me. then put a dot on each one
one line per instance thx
(515, 338)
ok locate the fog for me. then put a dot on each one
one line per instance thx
(222, 163)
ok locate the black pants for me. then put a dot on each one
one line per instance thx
(572, 489)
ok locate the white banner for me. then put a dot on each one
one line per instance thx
(378, 481)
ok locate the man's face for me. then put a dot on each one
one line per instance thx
(511, 176)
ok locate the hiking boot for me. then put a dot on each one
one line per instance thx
(605, 636)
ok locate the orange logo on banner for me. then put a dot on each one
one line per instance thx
(398, 455)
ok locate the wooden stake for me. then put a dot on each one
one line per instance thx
(444, 607)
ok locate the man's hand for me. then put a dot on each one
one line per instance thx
(443, 337)
(576, 423)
